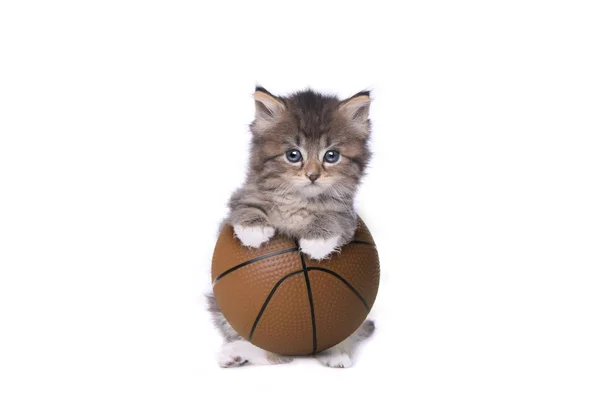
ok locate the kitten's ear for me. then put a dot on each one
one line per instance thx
(357, 108)
(268, 107)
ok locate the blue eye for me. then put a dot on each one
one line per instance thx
(293, 156)
(331, 156)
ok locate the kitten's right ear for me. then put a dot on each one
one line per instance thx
(268, 107)
(356, 109)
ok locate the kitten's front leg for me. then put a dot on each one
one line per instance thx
(326, 234)
(253, 236)
(319, 249)
(250, 225)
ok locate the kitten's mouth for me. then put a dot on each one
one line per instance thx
(312, 189)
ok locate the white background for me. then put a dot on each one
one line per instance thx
(123, 131)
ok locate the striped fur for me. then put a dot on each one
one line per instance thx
(279, 194)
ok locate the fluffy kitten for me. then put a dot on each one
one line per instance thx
(308, 155)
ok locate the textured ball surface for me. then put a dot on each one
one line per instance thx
(283, 301)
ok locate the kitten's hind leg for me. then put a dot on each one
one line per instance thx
(242, 352)
(236, 351)
(340, 356)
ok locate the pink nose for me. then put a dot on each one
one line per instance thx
(313, 176)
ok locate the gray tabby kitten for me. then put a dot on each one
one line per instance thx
(308, 155)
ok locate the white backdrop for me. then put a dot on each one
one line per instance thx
(123, 131)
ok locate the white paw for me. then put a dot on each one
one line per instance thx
(240, 352)
(231, 361)
(253, 236)
(231, 356)
(335, 360)
(319, 249)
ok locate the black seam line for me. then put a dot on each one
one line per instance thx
(362, 242)
(344, 281)
(260, 258)
(268, 299)
(310, 301)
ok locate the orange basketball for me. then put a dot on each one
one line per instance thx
(283, 301)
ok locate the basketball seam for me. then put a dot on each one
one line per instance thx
(246, 263)
(339, 277)
(310, 301)
(268, 299)
(305, 270)
(269, 255)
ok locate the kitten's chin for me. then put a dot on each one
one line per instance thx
(312, 190)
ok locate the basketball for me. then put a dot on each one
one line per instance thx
(284, 302)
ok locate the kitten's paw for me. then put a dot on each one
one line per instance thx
(241, 352)
(231, 361)
(253, 236)
(231, 356)
(335, 359)
(319, 249)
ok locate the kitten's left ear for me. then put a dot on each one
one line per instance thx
(356, 108)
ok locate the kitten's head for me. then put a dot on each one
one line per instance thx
(310, 144)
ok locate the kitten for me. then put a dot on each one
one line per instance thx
(308, 155)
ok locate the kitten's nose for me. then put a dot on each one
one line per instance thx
(312, 170)
(313, 176)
